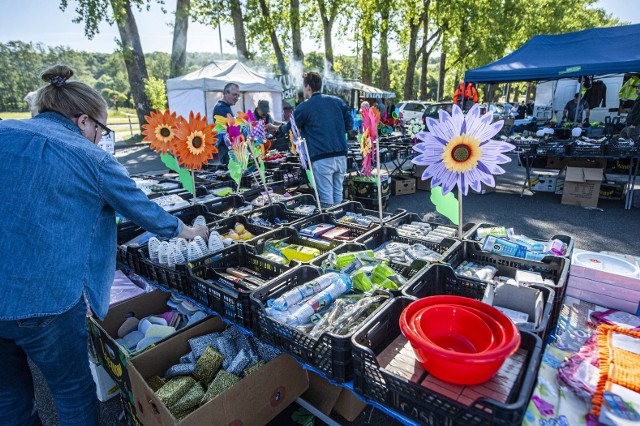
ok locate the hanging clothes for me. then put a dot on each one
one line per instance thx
(596, 94)
(628, 90)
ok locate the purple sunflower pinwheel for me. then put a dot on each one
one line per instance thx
(458, 150)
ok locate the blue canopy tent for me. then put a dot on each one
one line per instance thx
(596, 51)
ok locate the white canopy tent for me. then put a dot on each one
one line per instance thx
(200, 90)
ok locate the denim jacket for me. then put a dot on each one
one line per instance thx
(58, 192)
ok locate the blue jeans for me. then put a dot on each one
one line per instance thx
(329, 176)
(57, 344)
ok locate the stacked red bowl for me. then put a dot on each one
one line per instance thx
(457, 339)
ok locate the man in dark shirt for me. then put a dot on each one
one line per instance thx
(570, 110)
(630, 130)
(323, 121)
(230, 96)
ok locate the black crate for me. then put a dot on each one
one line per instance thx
(299, 200)
(556, 149)
(584, 148)
(225, 206)
(367, 188)
(412, 217)
(425, 405)
(330, 353)
(175, 279)
(230, 299)
(472, 228)
(290, 235)
(441, 280)
(276, 214)
(129, 230)
(290, 174)
(130, 257)
(223, 226)
(341, 210)
(379, 236)
(355, 231)
(552, 267)
(623, 148)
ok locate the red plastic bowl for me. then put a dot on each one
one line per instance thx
(456, 367)
(454, 328)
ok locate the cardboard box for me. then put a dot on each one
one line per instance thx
(582, 186)
(543, 181)
(327, 398)
(103, 334)
(254, 400)
(106, 387)
(403, 186)
(612, 190)
(421, 185)
(556, 163)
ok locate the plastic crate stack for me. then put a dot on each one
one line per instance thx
(241, 281)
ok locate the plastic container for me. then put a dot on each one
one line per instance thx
(412, 217)
(441, 280)
(277, 214)
(448, 325)
(552, 267)
(290, 236)
(225, 204)
(223, 226)
(330, 353)
(470, 234)
(454, 349)
(606, 263)
(355, 207)
(216, 291)
(354, 230)
(426, 405)
(379, 236)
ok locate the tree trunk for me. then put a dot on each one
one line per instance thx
(296, 38)
(133, 56)
(411, 62)
(529, 92)
(385, 83)
(426, 53)
(328, 46)
(443, 62)
(239, 34)
(274, 37)
(516, 95)
(179, 49)
(328, 18)
(367, 57)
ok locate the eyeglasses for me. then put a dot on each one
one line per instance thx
(105, 130)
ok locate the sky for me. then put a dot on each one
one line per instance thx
(43, 21)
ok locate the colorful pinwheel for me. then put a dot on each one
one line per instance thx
(195, 142)
(160, 130)
(458, 150)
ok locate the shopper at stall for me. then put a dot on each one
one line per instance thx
(569, 112)
(58, 245)
(323, 121)
(230, 96)
(630, 131)
(261, 112)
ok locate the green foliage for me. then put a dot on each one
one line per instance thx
(157, 93)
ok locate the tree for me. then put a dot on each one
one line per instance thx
(329, 10)
(179, 48)
(296, 39)
(269, 25)
(157, 93)
(384, 8)
(92, 12)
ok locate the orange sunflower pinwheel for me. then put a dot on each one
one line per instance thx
(195, 142)
(160, 130)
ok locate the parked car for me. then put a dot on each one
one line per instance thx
(432, 110)
(412, 109)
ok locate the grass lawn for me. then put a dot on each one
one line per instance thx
(123, 122)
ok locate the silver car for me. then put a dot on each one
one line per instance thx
(412, 109)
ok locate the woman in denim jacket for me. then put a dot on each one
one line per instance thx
(58, 195)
